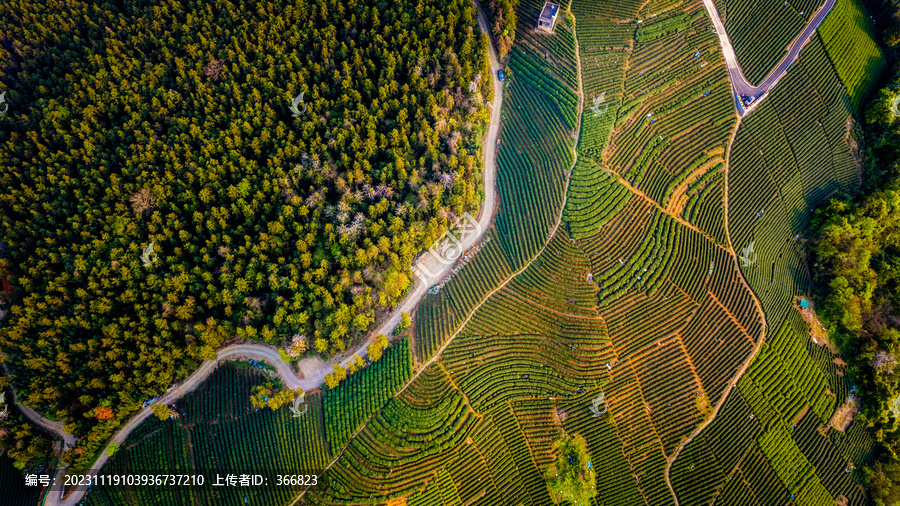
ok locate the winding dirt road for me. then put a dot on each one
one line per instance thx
(51, 426)
(482, 22)
(430, 271)
(747, 95)
(260, 352)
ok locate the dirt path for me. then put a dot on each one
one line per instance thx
(739, 83)
(662, 209)
(762, 338)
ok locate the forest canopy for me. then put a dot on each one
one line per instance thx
(169, 123)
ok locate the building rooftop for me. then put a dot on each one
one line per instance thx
(549, 11)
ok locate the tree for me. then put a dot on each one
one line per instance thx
(891, 35)
(405, 322)
(883, 482)
(213, 69)
(571, 477)
(268, 395)
(142, 201)
(884, 360)
(272, 224)
(280, 399)
(376, 347)
(879, 112)
(855, 262)
(112, 449)
(208, 353)
(502, 14)
(104, 413)
(374, 352)
(297, 346)
(161, 411)
(20, 440)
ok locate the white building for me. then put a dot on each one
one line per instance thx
(548, 17)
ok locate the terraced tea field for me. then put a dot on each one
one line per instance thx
(658, 146)
(15, 491)
(539, 130)
(772, 439)
(218, 430)
(849, 37)
(618, 264)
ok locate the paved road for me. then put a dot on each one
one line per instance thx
(51, 426)
(433, 270)
(740, 84)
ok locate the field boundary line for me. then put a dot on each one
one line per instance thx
(731, 316)
(660, 208)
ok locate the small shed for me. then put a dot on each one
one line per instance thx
(804, 303)
(548, 17)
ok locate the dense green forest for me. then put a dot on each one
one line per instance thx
(169, 123)
(856, 264)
